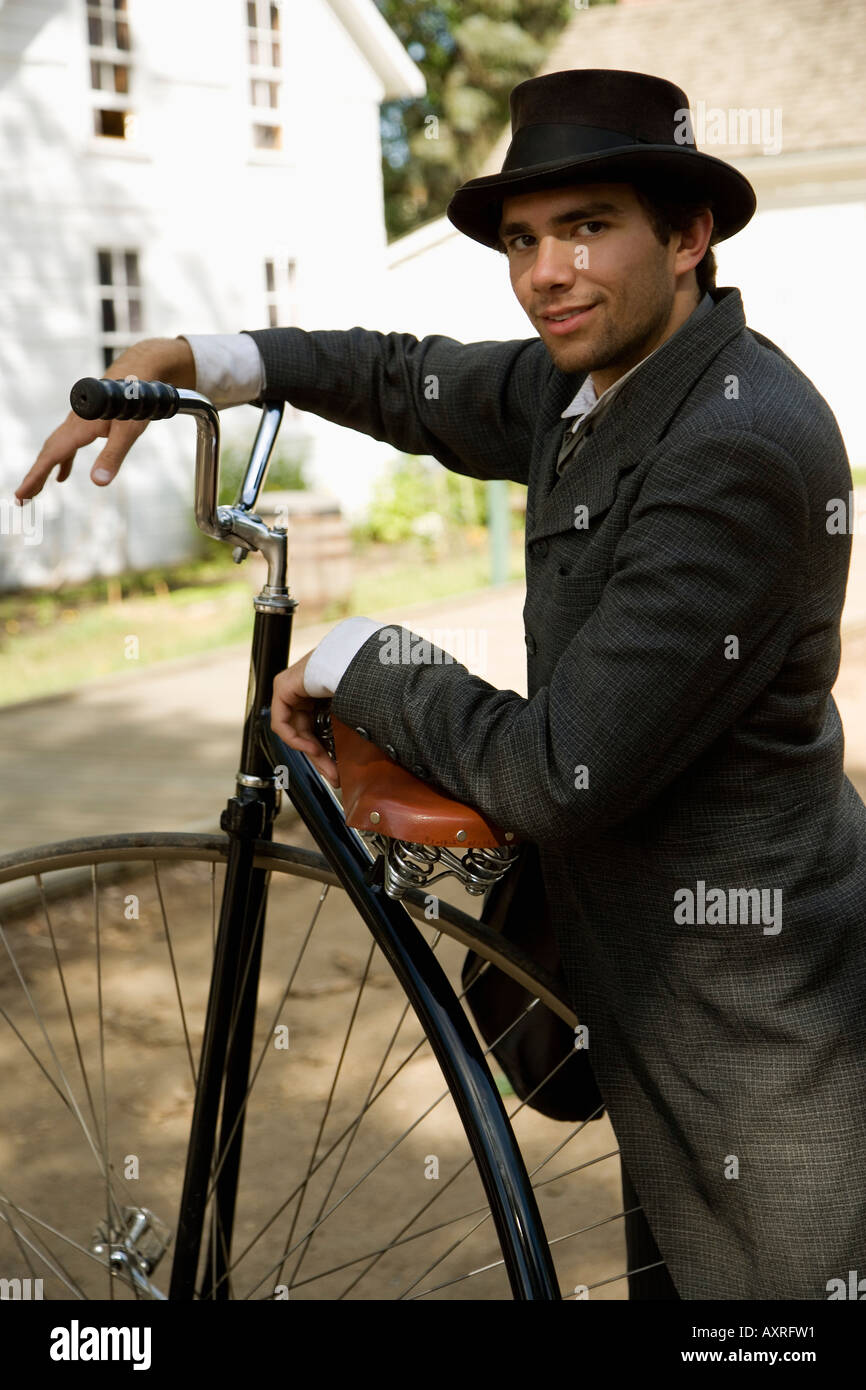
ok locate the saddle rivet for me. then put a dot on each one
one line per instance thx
(509, 834)
(461, 836)
(375, 817)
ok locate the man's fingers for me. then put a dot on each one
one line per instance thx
(59, 451)
(296, 740)
(318, 756)
(121, 438)
(293, 727)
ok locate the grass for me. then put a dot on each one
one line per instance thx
(84, 643)
(54, 642)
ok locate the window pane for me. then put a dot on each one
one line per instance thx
(94, 30)
(276, 60)
(130, 261)
(135, 315)
(122, 34)
(273, 321)
(292, 269)
(264, 93)
(254, 51)
(275, 16)
(251, 13)
(267, 137)
(120, 5)
(121, 78)
(94, 76)
(109, 323)
(107, 357)
(103, 267)
(111, 123)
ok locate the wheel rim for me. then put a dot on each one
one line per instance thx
(410, 1210)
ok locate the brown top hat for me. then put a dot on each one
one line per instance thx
(602, 125)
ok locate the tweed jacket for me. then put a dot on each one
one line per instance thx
(677, 765)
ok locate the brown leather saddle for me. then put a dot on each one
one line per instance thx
(380, 796)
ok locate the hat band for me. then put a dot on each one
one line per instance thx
(542, 144)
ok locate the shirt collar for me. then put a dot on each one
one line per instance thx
(586, 400)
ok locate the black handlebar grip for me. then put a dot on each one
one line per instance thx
(95, 399)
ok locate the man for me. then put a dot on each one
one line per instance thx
(677, 766)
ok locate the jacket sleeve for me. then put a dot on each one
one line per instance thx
(472, 406)
(715, 547)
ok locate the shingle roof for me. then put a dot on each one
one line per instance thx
(805, 56)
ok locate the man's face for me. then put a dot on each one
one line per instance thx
(588, 252)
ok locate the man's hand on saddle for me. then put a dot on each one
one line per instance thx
(293, 714)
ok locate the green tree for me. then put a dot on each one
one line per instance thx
(470, 62)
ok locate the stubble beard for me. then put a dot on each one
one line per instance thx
(616, 343)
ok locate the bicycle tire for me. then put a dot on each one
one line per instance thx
(51, 875)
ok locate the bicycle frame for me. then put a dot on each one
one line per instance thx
(248, 818)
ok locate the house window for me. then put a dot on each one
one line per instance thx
(121, 321)
(109, 52)
(280, 292)
(265, 57)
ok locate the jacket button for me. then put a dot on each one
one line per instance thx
(539, 549)
(391, 751)
(362, 732)
(530, 644)
(421, 771)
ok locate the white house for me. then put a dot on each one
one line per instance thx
(173, 166)
(230, 212)
(776, 89)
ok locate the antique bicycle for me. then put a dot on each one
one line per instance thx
(174, 1132)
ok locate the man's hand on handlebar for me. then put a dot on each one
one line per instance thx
(154, 359)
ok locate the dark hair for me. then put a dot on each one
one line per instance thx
(669, 211)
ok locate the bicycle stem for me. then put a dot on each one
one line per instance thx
(237, 523)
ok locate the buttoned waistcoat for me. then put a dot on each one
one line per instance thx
(677, 766)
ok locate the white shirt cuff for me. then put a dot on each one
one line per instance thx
(326, 667)
(229, 369)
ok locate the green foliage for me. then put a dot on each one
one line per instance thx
(417, 497)
(406, 492)
(470, 63)
(286, 472)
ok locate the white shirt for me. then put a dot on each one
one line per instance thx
(229, 370)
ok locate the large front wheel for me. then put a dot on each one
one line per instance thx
(357, 1179)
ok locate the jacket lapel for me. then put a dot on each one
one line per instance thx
(636, 421)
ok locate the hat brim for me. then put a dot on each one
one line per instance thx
(476, 207)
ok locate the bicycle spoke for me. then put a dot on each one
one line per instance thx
(70, 1098)
(174, 971)
(487, 1215)
(269, 1034)
(437, 1194)
(70, 1017)
(323, 1121)
(103, 1076)
(53, 1264)
(357, 1124)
